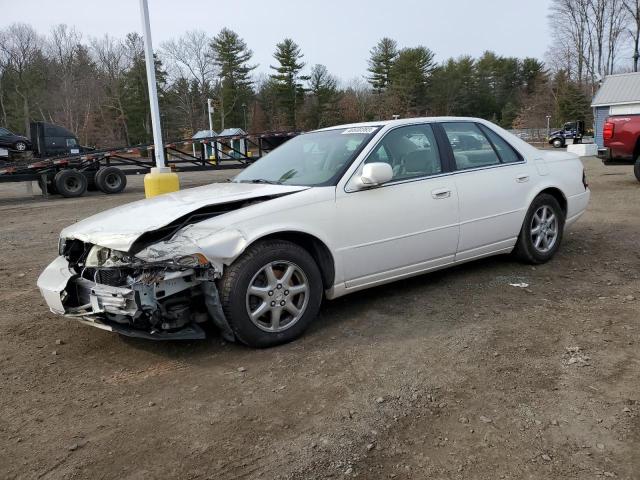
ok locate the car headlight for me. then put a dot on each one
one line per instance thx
(105, 257)
(62, 244)
(191, 261)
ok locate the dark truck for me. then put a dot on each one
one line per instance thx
(52, 140)
(573, 131)
(621, 134)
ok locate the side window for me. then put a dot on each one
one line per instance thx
(411, 151)
(471, 149)
(506, 151)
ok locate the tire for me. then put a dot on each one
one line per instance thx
(70, 183)
(526, 249)
(111, 180)
(250, 269)
(20, 146)
(558, 143)
(636, 169)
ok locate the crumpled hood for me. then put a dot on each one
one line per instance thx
(118, 228)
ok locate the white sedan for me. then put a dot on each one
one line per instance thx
(328, 213)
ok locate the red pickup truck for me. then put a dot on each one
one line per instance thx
(622, 142)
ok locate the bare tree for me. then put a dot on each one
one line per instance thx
(112, 62)
(589, 34)
(633, 9)
(190, 57)
(20, 47)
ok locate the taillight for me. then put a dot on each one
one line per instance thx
(607, 131)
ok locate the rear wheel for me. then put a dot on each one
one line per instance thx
(20, 146)
(636, 169)
(111, 180)
(541, 232)
(271, 294)
(70, 183)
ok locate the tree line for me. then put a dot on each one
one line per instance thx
(97, 88)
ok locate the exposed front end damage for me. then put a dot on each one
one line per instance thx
(117, 291)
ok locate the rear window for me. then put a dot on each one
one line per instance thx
(471, 148)
(505, 151)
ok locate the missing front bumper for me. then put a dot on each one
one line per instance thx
(190, 332)
(160, 310)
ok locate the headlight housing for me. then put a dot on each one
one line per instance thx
(105, 257)
(191, 261)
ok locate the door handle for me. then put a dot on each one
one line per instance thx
(441, 193)
(522, 178)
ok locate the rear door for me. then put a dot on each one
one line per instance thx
(493, 182)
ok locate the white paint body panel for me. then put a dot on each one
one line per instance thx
(375, 236)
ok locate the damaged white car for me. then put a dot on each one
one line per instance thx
(327, 213)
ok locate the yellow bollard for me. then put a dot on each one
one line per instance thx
(159, 181)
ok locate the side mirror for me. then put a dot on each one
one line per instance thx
(374, 174)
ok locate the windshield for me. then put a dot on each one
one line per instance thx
(311, 159)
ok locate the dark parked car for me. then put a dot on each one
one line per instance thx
(11, 140)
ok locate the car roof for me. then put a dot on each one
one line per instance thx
(404, 121)
(385, 125)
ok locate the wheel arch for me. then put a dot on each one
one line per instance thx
(558, 195)
(636, 150)
(316, 248)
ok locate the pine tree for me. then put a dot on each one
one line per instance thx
(288, 79)
(383, 56)
(410, 75)
(323, 88)
(232, 57)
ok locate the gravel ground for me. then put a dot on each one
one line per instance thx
(455, 374)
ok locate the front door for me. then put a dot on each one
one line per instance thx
(407, 225)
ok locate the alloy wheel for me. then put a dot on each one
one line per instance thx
(544, 229)
(277, 296)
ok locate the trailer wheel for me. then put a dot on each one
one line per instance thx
(70, 183)
(636, 169)
(111, 180)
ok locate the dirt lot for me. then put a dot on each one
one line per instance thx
(450, 375)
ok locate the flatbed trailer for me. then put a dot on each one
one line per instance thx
(72, 175)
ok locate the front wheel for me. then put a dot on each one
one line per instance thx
(558, 143)
(271, 293)
(541, 232)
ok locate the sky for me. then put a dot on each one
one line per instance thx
(338, 34)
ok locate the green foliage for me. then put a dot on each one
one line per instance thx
(288, 79)
(572, 104)
(323, 88)
(232, 57)
(383, 57)
(410, 75)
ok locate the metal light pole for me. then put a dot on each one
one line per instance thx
(210, 111)
(548, 128)
(161, 179)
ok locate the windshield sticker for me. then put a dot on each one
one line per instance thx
(361, 130)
